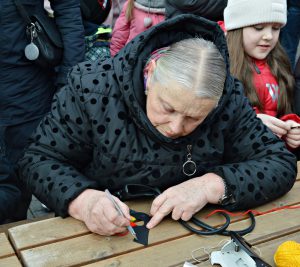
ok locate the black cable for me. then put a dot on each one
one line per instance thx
(210, 230)
(245, 231)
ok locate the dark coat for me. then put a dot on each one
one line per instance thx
(209, 9)
(297, 88)
(293, 3)
(10, 194)
(26, 89)
(97, 134)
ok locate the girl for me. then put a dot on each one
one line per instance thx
(136, 17)
(260, 63)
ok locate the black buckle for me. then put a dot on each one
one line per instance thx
(132, 191)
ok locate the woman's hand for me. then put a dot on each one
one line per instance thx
(277, 126)
(187, 198)
(293, 136)
(98, 212)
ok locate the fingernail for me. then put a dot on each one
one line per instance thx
(148, 226)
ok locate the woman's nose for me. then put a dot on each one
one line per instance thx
(176, 127)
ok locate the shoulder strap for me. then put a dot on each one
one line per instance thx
(22, 11)
(85, 9)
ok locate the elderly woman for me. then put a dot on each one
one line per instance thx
(175, 120)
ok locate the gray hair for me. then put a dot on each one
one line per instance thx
(196, 64)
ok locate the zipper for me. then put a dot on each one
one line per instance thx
(257, 70)
(189, 167)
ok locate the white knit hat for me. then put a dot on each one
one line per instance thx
(244, 13)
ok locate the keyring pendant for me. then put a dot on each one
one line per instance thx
(189, 167)
(31, 50)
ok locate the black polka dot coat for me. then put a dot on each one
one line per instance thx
(97, 134)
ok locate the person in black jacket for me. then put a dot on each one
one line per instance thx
(297, 95)
(10, 194)
(290, 34)
(175, 120)
(26, 88)
(209, 9)
(297, 88)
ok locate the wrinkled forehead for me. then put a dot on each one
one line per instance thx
(185, 100)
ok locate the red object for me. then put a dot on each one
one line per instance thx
(122, 234)
(292, 117)
(222, 25)
(126, 232)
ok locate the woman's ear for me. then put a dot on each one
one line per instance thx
(152, 66)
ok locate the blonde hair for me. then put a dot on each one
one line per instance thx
(241, 67)
(194, 63)
(129, 10)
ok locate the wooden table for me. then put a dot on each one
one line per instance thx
(67, 242)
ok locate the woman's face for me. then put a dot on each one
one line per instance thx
(259, 40)
(174, 111)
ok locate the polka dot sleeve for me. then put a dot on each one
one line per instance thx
(60, 148)
(257, 166)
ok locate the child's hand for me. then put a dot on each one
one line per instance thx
(293, 136)
(277, 126)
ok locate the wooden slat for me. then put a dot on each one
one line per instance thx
(45, 231)
(166, 254)
(10, 262)
(4, 227)
(5, 247)
(7, 254)
(174, 253)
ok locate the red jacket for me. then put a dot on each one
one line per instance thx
(266, 88)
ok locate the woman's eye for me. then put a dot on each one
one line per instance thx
(168, 109)
(193, 119)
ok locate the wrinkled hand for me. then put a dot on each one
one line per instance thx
(277, 126)
(98, 212)
(293, 136)
(186, 199)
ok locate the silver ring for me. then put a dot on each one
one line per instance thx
(193, 164)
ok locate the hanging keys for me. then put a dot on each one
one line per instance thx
(31, 50)
(189, 167)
